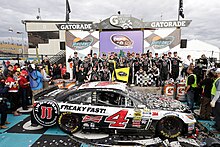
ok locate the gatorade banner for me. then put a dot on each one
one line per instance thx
(122, 74)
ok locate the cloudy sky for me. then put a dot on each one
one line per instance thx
(205, 14)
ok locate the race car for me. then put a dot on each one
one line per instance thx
(114, 106)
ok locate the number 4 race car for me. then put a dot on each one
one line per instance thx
(114, 106)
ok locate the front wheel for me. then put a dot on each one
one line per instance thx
(170, 127)
(69, 122)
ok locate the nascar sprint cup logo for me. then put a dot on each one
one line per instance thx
(46, 113)
(80, 44)
(121, 40)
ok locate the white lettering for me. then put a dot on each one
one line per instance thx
(114, 20)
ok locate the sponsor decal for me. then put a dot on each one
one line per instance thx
(169, 91)
(136, 123)
(159, 43)
(118, 120)
(122, 73)
(83, 109)
(121, 40)
(154, 113)
(95, 119)
(170, 24)
(170, 136)
(143, 121)
(137, 115)
(80, 44)
(106, 83)
(180, 91)
(46, 112)
(75, 26)
(171, 113)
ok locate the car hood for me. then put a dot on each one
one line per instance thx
(164, 103)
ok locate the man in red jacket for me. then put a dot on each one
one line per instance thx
(24, 87)
(13, 93)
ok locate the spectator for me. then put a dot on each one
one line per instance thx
(81, 74)
(36, 80)
(56, 72)
(186, 64)
(94, 75)
(215, 103)
(205, 108)
(175, 61)
(63, 70)
(24, 89)
(13, 93)
(190, 88)
(3, 106)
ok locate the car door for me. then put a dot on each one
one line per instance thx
(121, 111)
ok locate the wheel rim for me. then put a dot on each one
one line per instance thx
(171, 126)
(69, 122)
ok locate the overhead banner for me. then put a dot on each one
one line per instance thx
(126, 41)
(75, 26)
(129, 22)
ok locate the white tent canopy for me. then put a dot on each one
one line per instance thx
(196, 48)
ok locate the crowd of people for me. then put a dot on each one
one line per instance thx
(19, 83)
(94, 68)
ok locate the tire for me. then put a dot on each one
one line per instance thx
(169, 127)
(69, 122)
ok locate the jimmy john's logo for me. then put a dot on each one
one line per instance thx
(159, 43)
(80, 44)
(121, 40)
(121, 73)
(46, 113)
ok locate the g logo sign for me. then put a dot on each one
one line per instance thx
(46, 113)
(114, 20)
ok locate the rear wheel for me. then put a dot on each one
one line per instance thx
(69, 122)
(170, 127)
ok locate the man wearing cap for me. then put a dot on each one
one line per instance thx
(215, 103)
(175, 61)
(86, 64)
(104, 61)
(165, 68)
(191, 84)
(95, 61)
(169, 55)
(24, 85)
(156, 60)
(76, 64)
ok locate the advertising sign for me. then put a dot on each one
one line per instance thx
(126, 41)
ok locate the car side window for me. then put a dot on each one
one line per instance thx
(79, 97)
(109, 98)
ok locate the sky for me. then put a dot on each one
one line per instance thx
(205, 14)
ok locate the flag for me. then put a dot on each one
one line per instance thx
(181, 8)
(122, 74)
(67, 11)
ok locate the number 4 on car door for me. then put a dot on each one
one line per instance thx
(118, 119)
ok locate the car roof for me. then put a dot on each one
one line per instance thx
(104, 85)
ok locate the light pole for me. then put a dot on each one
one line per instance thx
(11, 31)
(22, 36)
